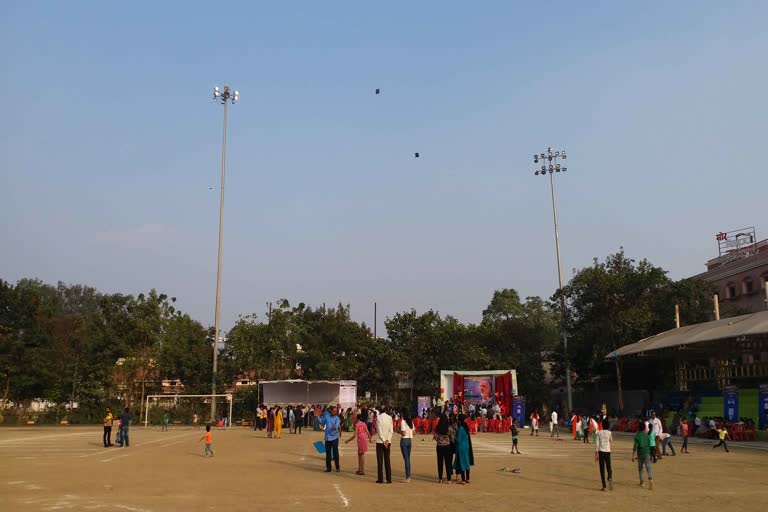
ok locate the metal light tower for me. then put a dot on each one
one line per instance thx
(224, 97)
(549, 165)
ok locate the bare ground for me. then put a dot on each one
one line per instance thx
(67, 468)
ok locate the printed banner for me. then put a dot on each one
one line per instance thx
(518, 410)
(423, 403)
(731, 403)
(762, 405)
(478, 390)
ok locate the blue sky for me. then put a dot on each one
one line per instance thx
(110, 141)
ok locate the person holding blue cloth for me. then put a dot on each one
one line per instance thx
(332, 424)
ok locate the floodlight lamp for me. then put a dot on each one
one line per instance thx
(543, 167)
(557, 153)
(536, 173)
(542, 155)
(565, 169)
(551, 167)
(237, 93)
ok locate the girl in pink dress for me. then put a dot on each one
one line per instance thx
(363, 438)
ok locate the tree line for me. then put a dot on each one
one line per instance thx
(70, 344)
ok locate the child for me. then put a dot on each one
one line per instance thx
(363, 438)
(722, 433)
(603, 440)
(684, 432)
(514, 431)
(119, 436)
(208, 440)
(641, 452)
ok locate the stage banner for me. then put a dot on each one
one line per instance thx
(731, 403)
(423, 403)
(762, 406)
(518, 410)
(478, 390)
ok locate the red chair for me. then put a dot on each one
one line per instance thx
(749, 433)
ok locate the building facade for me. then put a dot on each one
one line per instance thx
(740, 279)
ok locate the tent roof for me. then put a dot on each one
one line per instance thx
(754, 323)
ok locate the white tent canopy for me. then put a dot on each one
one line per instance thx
(725, 328)
(296, 391)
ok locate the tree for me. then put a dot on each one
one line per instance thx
(517, 335)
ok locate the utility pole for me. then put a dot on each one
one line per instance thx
(550, 166)
(224, 97)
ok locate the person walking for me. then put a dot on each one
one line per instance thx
(363, 439)
(125, 422)
(722, 433)
(641, 452)
(166, 420)
(384, 433)
(656, 433)
(208, 440)
(196, 421)
(443, 439)
(684, 433)
(299, 412)
(270, 422)
(406, 431)
(553, 426)
(535, 423)
(462, 460)
(108, 420)
(330, 420)
(515, 433)
(603, 440)
(291, 420)
(278, 421)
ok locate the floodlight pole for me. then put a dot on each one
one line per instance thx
(225, 97)
(551, 167)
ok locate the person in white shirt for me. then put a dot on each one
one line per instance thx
(553, 427)
(603, 453)
(384, 431)
(656, 431)
(406, 430)
(666, 440)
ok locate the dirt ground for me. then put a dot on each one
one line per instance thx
(66, 468)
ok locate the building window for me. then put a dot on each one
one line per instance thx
(747, 286)
(730, 291)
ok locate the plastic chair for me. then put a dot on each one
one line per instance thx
(749, 433)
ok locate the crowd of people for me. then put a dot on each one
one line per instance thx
(377, 425)
(451, 426)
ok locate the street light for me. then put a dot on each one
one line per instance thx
(224, 97)
(550, 165)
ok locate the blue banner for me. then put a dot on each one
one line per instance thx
(762, 406)
(731, 404)
(518, 410)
